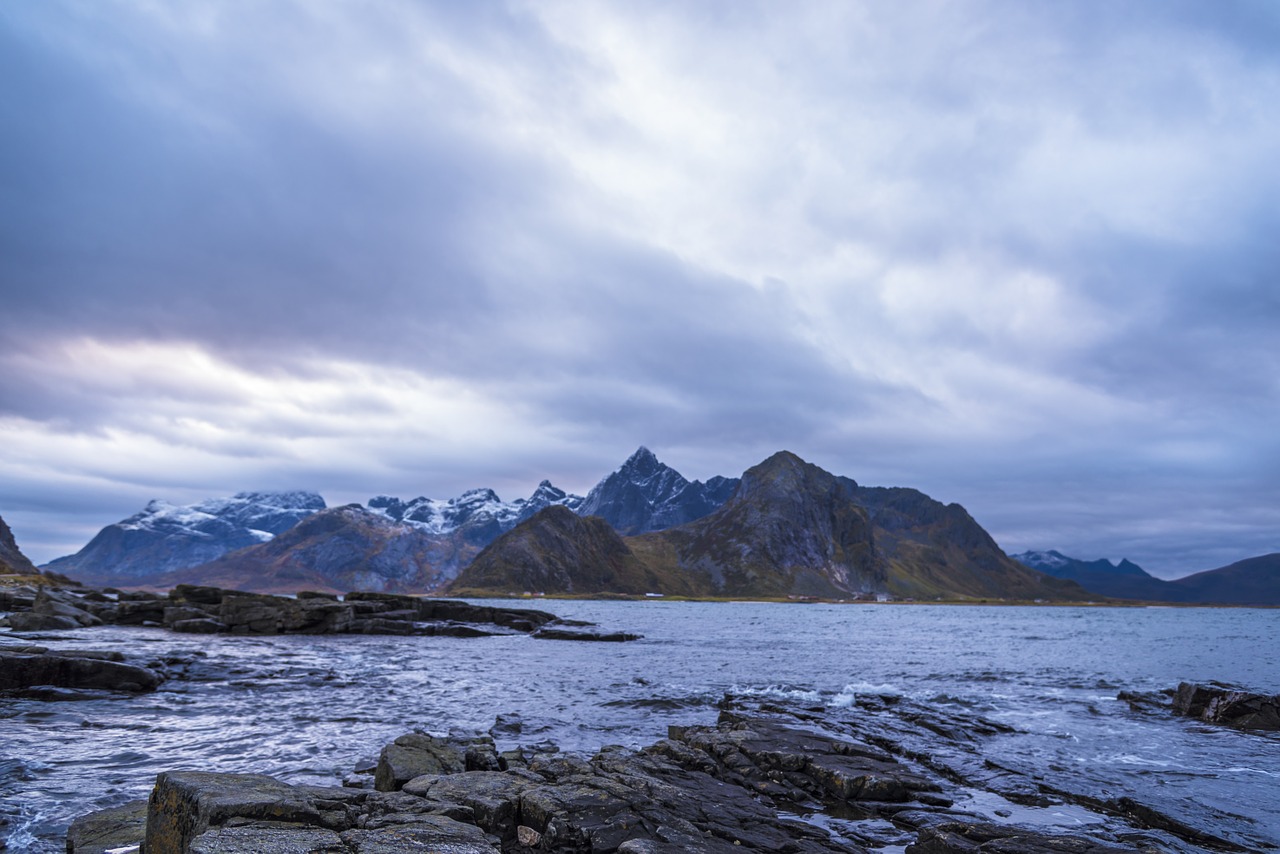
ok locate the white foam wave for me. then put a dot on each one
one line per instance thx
(848, 695)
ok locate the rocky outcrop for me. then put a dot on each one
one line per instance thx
(201, 609)
(762, 778)
(12, 560)
(23, 668)
(1226, 706)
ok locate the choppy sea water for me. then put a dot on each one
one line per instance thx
(307, 709)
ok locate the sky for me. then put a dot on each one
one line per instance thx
(1019, 255)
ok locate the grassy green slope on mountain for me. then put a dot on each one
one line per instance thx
(557, 551)
(937, 550)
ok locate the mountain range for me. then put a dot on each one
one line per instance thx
(258, 541)
(166, 538)
(1254, 581)
(785, 528)
(789, 529)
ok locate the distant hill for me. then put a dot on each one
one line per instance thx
(1125, 580)
(790, 529)
(1255, 581)
(166, 537)
(12, 560)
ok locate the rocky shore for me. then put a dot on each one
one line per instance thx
(34, 670)
(883, 774)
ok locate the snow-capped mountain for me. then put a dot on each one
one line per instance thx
(167, 537)
(648, 495)
(1057, 564)
(479, 512)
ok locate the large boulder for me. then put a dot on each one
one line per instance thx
(115, 829)
(418, 754)
(20, 670)
(1220, 704)
(186, 804)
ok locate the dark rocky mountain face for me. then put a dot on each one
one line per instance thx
(341, 548)
(790, 529)
(647, 495)
(166, 538)
(12, 560)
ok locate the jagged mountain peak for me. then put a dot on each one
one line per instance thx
(645, 494)
(642, 458)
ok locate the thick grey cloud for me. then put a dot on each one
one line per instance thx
(1018, 255)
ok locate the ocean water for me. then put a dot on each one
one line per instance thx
(307, 709)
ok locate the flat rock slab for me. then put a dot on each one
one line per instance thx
(436, 834)
(260, 840)
(67, 670)
(108, 830)
(184, 804)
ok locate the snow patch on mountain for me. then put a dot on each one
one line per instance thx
(475, 508)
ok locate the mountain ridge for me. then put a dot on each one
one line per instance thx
(791, 529)
(1252, 581)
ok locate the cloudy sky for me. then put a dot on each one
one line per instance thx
(1020, 255)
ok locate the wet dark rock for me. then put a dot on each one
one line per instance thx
(19, 598)
(961, 837)
(196, 609)
(140, 612)
(55, 603)
(68, 670)
(29, 621)
(1221, 704)
(197, 595)
(583, 634)
(418, 754)
(115, 828)
(179, 613)
(185, 804)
